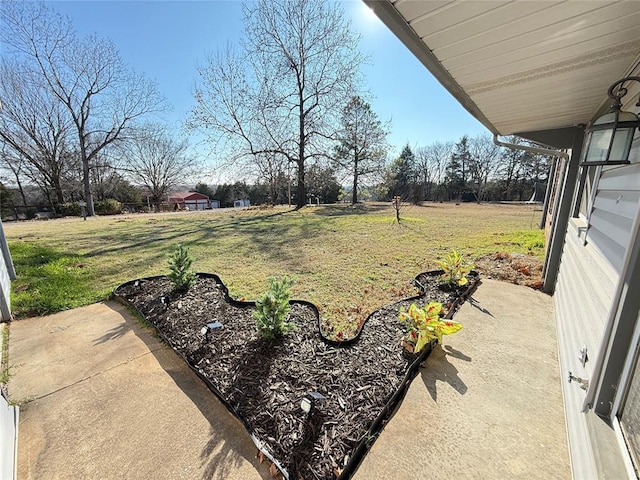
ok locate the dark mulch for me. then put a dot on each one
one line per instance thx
(263, 381)
(451, 296)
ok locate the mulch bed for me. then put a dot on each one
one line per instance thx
(263, 381)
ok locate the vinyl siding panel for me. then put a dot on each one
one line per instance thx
(586, 284)
(614, 210)
(584, 291)
(621, 203)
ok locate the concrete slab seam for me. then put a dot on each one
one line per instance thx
(31, 399)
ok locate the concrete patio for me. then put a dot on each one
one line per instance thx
(102, 397)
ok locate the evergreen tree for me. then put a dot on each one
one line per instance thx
(458, 169)
(322, 185)
(402, 176)
(362, 147)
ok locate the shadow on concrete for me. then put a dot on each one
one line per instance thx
(476, 304)
(229, 443)
(456, 353)
(114, 333)
(440, 370)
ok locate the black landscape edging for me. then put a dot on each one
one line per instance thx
(377, 425)
(473, 282)
(206, 381)
(364, 445)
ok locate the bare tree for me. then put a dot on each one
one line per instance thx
(283, 92)
(430, 166)
(272, 167)
(484, 162)
(102, 96)
(155, 159)
(511, 167)
(34, 130)
(16, 165)
(362, 147)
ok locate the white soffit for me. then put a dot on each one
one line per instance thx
(521, 65)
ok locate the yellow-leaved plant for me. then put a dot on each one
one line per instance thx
(455, 269)
(424, 324)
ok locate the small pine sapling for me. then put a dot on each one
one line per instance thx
(273, 307)
(181, 275)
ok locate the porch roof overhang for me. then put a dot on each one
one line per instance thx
(521, 68)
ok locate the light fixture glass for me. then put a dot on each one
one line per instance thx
(308, 402)
(609, 138)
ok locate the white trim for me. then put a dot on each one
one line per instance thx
(625, 377)
(593, 193)
(618, 402)
(602, 360)
(626, 458)
(16, 411)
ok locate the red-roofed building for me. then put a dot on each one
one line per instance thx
(189, 201)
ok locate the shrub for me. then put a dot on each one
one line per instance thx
(273, 307)
(424, 325)
(30, 213)
(181, 275)
(455, 269)
(69, 209)
(108, 207)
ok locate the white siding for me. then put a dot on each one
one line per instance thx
(587, 280)
(615, 207)
(586, 284)
(584, 290)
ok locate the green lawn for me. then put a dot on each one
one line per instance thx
(348, 261)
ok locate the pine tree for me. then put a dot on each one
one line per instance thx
(402, 182)
(458, 169)
(363, 142)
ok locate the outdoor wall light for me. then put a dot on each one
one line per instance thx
(609, 137)
(308, 402)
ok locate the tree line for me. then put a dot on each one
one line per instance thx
(285, 110)
(472, 169)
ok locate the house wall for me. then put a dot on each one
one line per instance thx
(9, 417)
(587, 296)
(7, 273)
(8, 438)
(614, 211)
(583, 295)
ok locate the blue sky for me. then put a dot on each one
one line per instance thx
(168, 39)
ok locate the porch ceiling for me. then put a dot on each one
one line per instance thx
(521, 65)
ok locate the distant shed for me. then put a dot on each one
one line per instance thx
(190, 201)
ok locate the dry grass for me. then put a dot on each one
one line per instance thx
(348, 261)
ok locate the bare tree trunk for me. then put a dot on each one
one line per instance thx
(21, 190)
(354, 194)
(86, 180)
(301, 193)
